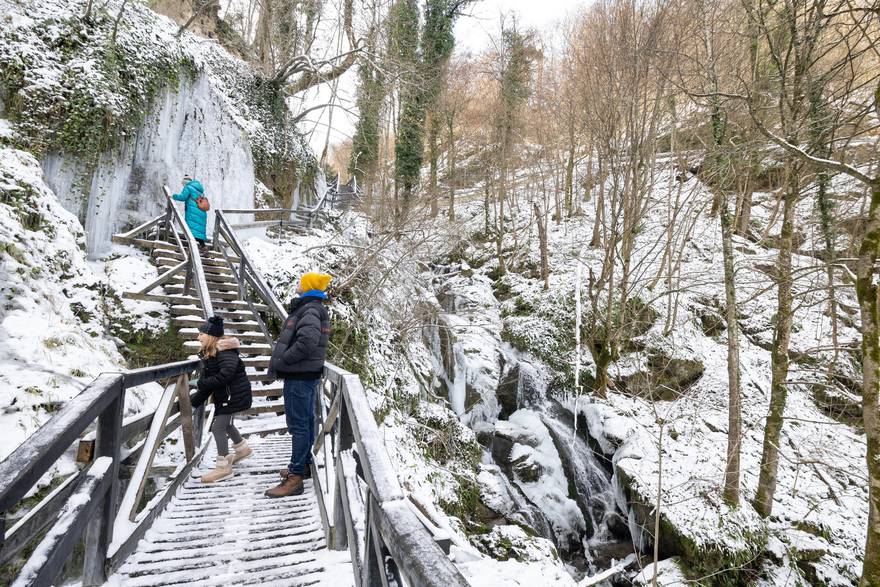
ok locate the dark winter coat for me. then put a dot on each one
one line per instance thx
(224, 378)
(302, 346)
(196, 219)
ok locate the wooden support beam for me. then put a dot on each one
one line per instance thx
(36, 520)
(99, 532)
(186, 416)
(164, 277)
(47, 560)
(135, 490)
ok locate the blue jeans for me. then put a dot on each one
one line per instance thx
(299, 409)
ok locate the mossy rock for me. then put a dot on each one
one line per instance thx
(715, 563)
(666, 379)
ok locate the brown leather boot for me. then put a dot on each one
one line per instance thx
(293, 485)
(284, 473)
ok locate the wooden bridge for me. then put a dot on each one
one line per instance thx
(354, 525)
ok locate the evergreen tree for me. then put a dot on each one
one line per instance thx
(371, 93)
(404, 40)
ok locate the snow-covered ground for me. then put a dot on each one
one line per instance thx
(57, 306)
(818, 528)
(817, 531)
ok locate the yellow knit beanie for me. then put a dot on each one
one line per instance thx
(311, 281)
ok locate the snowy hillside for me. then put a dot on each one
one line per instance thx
(116, 111)
(496, 354)
(59, 309)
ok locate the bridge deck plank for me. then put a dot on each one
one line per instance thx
(229, 533)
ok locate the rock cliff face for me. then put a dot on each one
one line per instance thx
(189, 130)
(113, 113)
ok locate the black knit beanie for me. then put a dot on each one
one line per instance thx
(213, 327)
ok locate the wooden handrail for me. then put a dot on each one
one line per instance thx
(194, 258)
(251, 274)
(85, 503)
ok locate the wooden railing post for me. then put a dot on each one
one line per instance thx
(168, 216)
(373, 571)
(215, 240)
(186, 416)
(188, 281)
(99, 533)
(199, 424)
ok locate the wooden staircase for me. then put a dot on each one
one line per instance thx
(279, 542)
(227, 295)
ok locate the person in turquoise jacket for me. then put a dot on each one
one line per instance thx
(196, 219)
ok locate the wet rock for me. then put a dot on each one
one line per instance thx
(511, 542)
(527, 469)
(618, 527)
(508, 392)
(728, 553)
(502, 444)
(485, 436)
(838, 403)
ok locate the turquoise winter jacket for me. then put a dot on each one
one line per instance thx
(196, 219)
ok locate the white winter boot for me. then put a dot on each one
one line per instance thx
(242, 451)
(222, 470)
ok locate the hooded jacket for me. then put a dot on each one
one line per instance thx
(224, 379)
(302, 346)
(196, 219)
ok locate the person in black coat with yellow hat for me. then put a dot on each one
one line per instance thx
(225, 381)
(298, 359)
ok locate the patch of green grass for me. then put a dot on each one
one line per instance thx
(149, 348)
(52, 343)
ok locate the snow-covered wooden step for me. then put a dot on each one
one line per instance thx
(257, 362)
(207, 257)
(220, 295)
(266, 408)
(210, 277)
(209, 265)
(231, 324)
(167, 298)
(238, 305)
(275, 390)
(246, 349)
(257, 377)
(229, 533)
(192, 334)
(195, 311)
(180, 280)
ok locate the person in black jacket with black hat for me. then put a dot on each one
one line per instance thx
(298, 358)
(224, 379)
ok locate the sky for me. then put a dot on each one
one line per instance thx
(473, 33)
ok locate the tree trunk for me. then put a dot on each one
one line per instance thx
(569, 179)
(779, 358)
(734, 419)
(433, 155)
(744, 214)
(867, 294)
(541, 220)
(827, 226)
(450, 172)
(596, 240)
